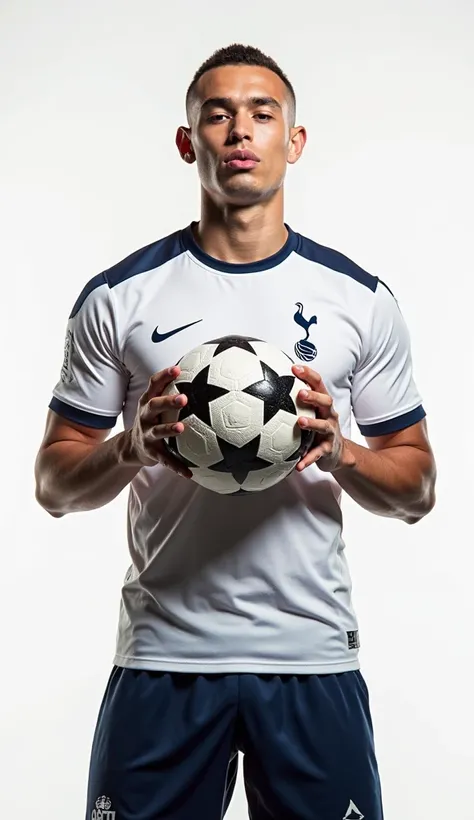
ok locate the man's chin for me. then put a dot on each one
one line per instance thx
(242, 189)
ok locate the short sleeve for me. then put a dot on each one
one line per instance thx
(93, 383)
(385, 398)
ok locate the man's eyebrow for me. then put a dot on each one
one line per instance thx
(229, 104)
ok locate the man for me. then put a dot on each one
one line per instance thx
(236, 625)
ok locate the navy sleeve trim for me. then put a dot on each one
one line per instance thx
(383, 428)
(81, 417)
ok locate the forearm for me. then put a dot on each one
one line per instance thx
(394, 482)
(73, 476)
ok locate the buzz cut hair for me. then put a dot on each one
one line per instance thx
(238, 54)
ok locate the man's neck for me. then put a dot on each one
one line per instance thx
(241, 236)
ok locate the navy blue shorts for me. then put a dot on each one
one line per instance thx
(166, 747)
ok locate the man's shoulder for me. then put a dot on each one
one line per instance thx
(335, 261)
(144, 259)
(140, 261)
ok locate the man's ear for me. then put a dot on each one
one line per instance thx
(184, 144)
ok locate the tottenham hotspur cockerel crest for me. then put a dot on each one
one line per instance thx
(305, 349)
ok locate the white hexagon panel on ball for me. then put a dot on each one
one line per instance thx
(198, 443)
(237, 417)
(222, 483)
(267, 477)
(280, 437)
(235, 369)
(193, 362)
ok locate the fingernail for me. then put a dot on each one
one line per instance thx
(177, 400)
(298, 369)
(304, 394)
(304, 422)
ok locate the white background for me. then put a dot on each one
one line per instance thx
(92, 93)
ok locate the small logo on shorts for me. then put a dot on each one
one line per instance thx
(353, 813)
(102, 811)
(353, 641)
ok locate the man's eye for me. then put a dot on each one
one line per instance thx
(266, 117)
(216, 117)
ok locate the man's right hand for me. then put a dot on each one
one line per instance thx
(145, 438)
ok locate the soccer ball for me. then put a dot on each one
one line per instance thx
(240, 432)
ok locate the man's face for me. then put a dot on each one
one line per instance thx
(241, 109)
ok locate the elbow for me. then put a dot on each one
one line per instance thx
(44, 492)
(55, 514)
(46, 503)
(422, 508)
(420, 497)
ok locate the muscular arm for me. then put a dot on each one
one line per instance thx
(394, 476)
(77, 469)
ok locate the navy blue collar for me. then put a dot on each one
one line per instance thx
(187, 238)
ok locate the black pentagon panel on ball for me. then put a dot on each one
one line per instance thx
(199, 394)
(226, 342)
(240, 461)
(274, 391)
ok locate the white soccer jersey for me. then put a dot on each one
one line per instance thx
(258, 582)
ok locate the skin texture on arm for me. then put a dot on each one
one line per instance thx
(394, 476)
(77, 469)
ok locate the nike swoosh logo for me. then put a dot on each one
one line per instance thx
(160, 337)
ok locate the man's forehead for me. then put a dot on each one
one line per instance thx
(240, 83)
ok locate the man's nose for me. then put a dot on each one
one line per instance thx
(241, 129)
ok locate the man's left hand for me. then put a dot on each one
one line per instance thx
(330, 451)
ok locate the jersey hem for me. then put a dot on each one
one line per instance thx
(236, 667)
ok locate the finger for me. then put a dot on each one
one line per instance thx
(324, 449)
(158, 405)
(315, 398)
(169, 460)
(161, 453)
(159, 381)
(311, 377)
(177, 467)
(308, 375)
(161, 431)
(321, 426)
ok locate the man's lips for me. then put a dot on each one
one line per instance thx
(243, 160)
(241, 154)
